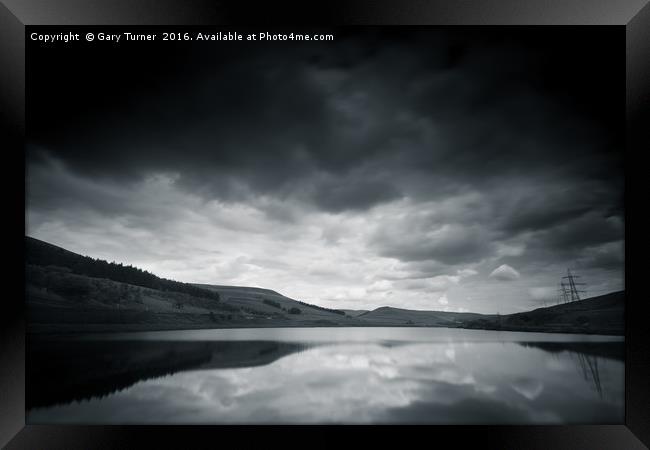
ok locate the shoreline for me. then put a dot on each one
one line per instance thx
(59, 330)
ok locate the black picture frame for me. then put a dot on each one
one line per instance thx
(633, 15)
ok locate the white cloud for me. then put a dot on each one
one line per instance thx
(505, 273)
(464, 273)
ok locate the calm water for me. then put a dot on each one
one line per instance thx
(327, 375)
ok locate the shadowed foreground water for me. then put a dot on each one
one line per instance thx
(320, 375)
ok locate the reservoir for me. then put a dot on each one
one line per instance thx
(372, 375)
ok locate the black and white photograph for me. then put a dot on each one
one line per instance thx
(345, 225)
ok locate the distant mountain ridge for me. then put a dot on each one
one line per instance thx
(397, 316)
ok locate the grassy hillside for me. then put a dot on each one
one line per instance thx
(271, 302)
(43, 254)
(604, 314)
(69, 292)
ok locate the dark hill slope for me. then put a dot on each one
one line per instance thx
(39, 253)
(604, 314)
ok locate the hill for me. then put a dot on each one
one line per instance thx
(389, 316)
(39, 253)
(271, 302)
(66, 291)
(597, 315)
(604, 314)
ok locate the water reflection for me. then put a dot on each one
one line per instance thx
(361, 381)
(586, 358)
(589, 366)
(66, 370)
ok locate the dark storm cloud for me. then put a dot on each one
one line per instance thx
(585, 231)
(551, 199)
(610, 256)
(448, 245)
(357, 194)
(52, 187)
(271, 120)
(588, 239)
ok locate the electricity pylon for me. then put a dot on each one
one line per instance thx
(570, 291)
(562, 293)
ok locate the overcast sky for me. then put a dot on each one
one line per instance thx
(429, 169)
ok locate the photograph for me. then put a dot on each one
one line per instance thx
(350, 225)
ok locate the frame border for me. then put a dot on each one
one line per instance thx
(16, 14)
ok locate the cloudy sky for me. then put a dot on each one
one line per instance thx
(459, 170)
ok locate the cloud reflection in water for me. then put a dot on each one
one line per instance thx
(442, 382)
